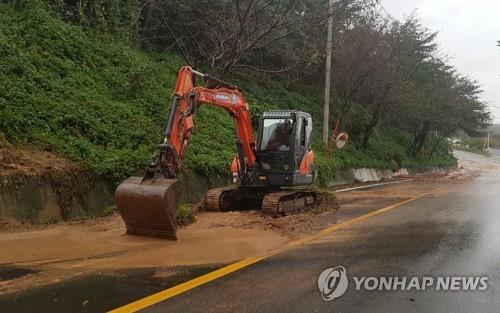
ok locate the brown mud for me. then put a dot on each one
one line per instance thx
(55, 253)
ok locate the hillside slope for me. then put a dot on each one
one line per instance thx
(102, 102)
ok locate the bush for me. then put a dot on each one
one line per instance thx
(185, 215)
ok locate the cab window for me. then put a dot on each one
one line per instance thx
(276, 135)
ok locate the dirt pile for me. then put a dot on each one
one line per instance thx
(291, 226)
(14, 161)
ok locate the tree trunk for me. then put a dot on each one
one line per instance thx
(434, 146)
(420, 138)
(368, 132)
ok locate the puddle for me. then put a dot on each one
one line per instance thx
(100, 292)
(12, 272)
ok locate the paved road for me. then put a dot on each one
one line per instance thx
(453, 232)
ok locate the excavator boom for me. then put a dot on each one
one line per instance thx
(181, 123)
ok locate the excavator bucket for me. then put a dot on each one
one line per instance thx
(149, 206)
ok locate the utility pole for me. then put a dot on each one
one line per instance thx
(328, 69)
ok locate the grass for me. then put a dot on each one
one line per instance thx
(102, 101)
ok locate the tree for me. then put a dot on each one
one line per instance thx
(261, 35)
(363, 72)
(385, 72)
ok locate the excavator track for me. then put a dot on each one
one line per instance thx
(272, 203)
(220, 199)
(288, 202)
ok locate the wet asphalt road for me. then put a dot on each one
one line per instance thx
(453, 232)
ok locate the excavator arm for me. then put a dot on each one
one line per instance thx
(181, 121)
(148, 204)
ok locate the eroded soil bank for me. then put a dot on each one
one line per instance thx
(39, 187)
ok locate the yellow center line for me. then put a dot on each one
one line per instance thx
(201, 280)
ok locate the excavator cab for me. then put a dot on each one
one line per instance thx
(283, 144)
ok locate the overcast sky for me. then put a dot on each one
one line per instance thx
(468, 33)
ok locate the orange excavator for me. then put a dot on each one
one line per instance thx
(266, 171)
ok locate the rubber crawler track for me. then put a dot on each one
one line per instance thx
(288, 202)
(213, 198)
(274, 204)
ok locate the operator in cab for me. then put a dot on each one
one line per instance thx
(280, 140)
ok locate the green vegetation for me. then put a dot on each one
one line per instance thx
(185, 215)
(84, 89)
(3, 142)
(81, 95)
